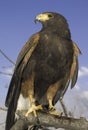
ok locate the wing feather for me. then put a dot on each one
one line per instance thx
(27, 49)
(73, 72)
(22, 60)
(15, 84)
(74, 67)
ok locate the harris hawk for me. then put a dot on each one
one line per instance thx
(46, 65)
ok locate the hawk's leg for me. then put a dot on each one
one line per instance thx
(51, 92)
(52, 109)
(33, 107)
(28, 91)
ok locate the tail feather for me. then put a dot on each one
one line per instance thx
(12, 106)
(12, 98)
(10, 120)
(10, 90)
(10, 117)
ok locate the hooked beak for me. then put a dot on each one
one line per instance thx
(41, 18)
(36, 20)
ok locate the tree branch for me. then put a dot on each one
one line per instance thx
(63, 107)
(9, 74)
(3, 108)
(48, 120)
(6, 57)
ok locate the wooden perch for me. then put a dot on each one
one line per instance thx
(48, 120)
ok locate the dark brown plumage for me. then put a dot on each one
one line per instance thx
(45, 66)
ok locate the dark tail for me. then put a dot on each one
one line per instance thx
(12, 98)
(10, 120)
(10, 117)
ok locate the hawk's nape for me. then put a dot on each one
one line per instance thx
(45, 66)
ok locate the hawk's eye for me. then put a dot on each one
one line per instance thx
(50, 15)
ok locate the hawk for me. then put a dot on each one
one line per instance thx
(46, 65)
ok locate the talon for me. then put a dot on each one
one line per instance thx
(52, 108)
(59, 114)
(50, 104)
(33, 109)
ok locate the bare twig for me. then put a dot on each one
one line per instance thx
(48, 120)
(3, 108)
(63, 107)
(9, 74)
(6, 57)
(2, 123)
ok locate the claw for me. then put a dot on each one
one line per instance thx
(50, 104)
(33, 109)
(59, 114)
(52, 109)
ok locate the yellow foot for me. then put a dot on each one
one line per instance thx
(59, 114)
(33, 109)
(53, 108)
